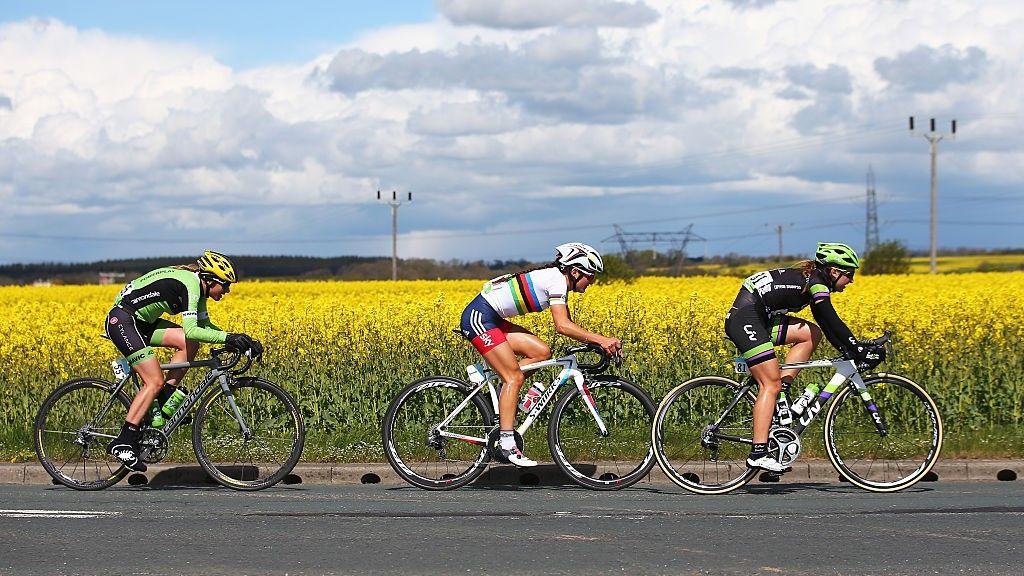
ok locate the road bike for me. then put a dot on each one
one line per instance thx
(439, 432)
(885, 442)
(247, 433)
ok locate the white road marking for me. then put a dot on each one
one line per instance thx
(56, 514)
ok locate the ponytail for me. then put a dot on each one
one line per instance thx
(503, 277)
(806, 267)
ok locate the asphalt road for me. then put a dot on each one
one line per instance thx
(935, 528)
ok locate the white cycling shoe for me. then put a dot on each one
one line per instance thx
(516, 458)
(766, 462)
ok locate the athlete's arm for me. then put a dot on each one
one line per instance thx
(565, 326)
(838, 334)
(203, 316)
(190, 318)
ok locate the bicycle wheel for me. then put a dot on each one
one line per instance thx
(71, 432)
(690, 450)
(415, 446)
(261, 455)
(904, 455)
(603, 462)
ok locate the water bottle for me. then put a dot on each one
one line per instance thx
(156, 416)
(804, 400)
(175, 401)
(532, 396)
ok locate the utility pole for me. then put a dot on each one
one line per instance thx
(871, 230)
(778, 231)
(394, 203)
(933, 139)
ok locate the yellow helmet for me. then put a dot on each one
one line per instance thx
(217, 265)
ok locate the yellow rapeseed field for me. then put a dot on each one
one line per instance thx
(345, 348)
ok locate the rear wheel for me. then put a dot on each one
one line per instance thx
(692, 451)
(884, 463)
(416, 444)
(72, 429)
(610, 462)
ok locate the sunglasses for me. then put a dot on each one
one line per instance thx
(848, 273)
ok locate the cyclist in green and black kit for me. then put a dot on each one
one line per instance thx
(134, 324)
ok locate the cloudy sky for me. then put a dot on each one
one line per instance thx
(267, 128)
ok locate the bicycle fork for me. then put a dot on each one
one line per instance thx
(246, 432)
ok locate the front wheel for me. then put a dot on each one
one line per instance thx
(598, 462)
(700, 442)
(71, 433)
(435, 433)
(884, 463)
(251, 438)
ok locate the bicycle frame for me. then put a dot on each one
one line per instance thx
(490, 378)
(216, 373)
(845, 372)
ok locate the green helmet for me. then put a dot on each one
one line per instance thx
(836, 254)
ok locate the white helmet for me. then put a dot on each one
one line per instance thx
(579, 255)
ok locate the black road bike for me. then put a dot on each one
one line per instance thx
(882, 431)
(247, 432)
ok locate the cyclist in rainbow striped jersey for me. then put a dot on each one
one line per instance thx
(500, 341)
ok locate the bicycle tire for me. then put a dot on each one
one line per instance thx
(252, 467)
(419, 455)
(603, 463)
(903, 464)
(680, 424)
(65, 429)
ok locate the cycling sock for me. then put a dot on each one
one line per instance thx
(787, 381)
(508, 440)
(758, 449)
(130, 433)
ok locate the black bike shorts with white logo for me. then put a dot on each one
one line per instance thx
(130, 335)
(755, 335)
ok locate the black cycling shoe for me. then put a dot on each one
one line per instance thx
(127, 454)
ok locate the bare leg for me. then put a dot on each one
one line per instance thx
(769, 380)
(152, 381)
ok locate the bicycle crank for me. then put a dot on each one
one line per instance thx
(784, 444)
(153, 445)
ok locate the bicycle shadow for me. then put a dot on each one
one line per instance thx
(779, 488)
(194, 477)
(510, 478)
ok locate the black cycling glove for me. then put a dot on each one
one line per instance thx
(240, 342)
(870, 355)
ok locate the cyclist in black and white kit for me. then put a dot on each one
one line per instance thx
(135, 324)
(758, 321)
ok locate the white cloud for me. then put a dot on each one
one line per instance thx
(496, 112)
(526, 14)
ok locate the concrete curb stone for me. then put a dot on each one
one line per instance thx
(544, 475)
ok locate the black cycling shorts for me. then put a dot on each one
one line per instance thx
(132, 336)
(750, 329)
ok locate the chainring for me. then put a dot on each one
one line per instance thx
(784, 444)
(494, 443)
(153, 445)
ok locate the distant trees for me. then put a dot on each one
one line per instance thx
(890, 257)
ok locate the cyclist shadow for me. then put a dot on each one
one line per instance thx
(780, 488)
(194, 477)
(510, 478)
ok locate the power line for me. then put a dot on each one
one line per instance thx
(435, 236)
